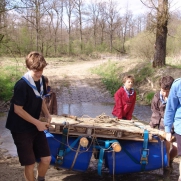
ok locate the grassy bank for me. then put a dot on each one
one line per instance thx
(9, 74)
(146, 78)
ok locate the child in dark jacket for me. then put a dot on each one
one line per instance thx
(50, 99)
(158, 106)
(125, 99)
(158, 103)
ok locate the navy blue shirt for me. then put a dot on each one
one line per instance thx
(24, 96)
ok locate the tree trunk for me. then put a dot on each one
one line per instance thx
(161, 34)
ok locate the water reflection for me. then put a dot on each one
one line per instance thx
(6, 138)
(85, 109)
(142, 112)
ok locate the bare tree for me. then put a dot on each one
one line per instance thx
(5, 7)
(112, 16)
(126, 22)
(162, 16)
(80, 11)
(56, 20)
(102, 22)
(94, 14)
(2, 18)
(69, 6)
(34, 12)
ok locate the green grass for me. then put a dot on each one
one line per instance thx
(149, 97)
(109, 72)
(174, 61)
(112, 74)
(143, 72)
(9, 74)
(175, 66)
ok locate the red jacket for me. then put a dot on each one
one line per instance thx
(124, 105)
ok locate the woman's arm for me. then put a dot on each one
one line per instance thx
(171, 108)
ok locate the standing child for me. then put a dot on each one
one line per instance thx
(125, 99)
(159, 101)
(50, 99)
(158, 106)
(23, 118)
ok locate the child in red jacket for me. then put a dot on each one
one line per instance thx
(125, 99)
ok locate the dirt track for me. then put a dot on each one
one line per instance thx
(76, 76)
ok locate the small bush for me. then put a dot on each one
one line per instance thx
(142, 45)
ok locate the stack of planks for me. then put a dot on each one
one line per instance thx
(103, 127)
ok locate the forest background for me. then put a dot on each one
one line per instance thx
(80, 30)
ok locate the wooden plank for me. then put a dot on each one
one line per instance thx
(108, 136)
(103, 133)
(107, 128)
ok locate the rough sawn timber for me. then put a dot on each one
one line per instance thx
(103, 127)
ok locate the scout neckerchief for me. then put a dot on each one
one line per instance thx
(48, 92)
(29, 80)
(162, 99)
(130, 92)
